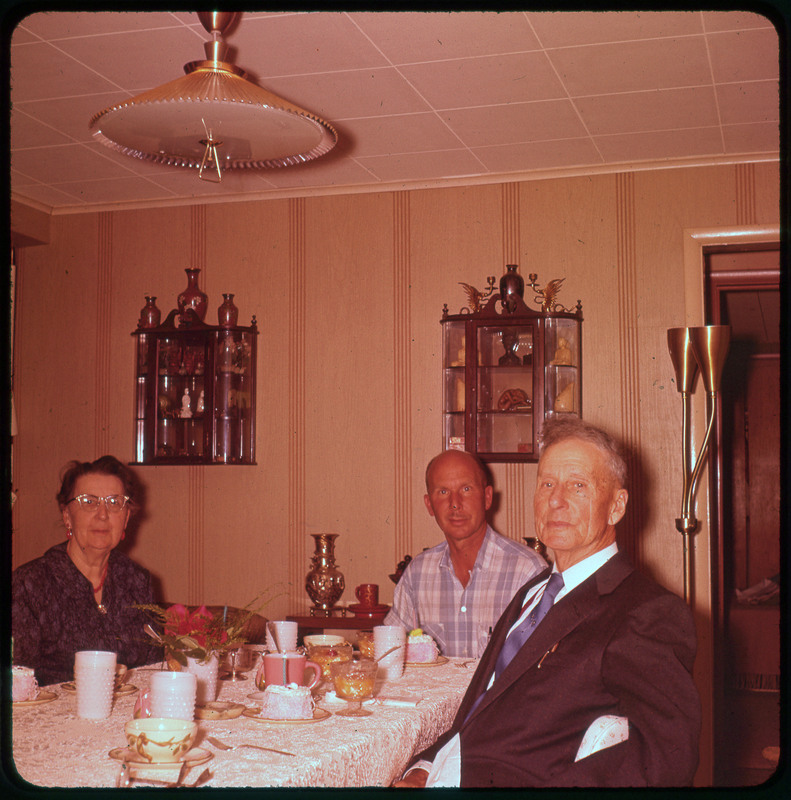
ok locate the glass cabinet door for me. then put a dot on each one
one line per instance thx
(454, 385)
(181, 397)
(505, 388)
(562, 360)
(233, 397)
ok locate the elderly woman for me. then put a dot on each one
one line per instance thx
(80, 594)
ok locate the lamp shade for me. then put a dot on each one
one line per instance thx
(683, 358)
(214, 106)
(710, 344)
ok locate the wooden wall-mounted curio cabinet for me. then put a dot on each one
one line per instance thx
(506, 368)
(195, 392)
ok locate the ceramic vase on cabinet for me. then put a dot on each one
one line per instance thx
(150, 315)
(227, 313)
(206, 673)
(192, 297)
(324, 583)
(512, 285)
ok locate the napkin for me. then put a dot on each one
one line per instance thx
(404, 701)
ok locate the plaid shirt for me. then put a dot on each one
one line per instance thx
(460, 619)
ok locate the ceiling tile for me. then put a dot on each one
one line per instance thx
(54, 25)
(345, 95)
(71, 162)
(408, 133)
(758, 137)
(302, 44)
(633, 66)
(485, 81)
(744, 56)
(447, 35)
(184, 182)
(517, 122)
(733, 20)
(660, 144)
(749, 102)
(71, 115)
(27, 132)
(40, 71)
(539, 155)
(121, 190)
(160, 56)
(46, 195)
(564, 29)
(22, 36)
(648, 111)
(324, 171)
(420, 166)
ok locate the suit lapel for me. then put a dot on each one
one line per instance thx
(562, 619)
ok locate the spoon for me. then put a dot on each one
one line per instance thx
(387, 653)
(223, 746)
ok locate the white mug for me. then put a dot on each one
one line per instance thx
(170, 696)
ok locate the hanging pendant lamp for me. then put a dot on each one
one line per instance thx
(214, 118)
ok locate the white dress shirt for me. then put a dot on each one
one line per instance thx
(445, 771)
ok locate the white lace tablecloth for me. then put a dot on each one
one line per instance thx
(53, 747)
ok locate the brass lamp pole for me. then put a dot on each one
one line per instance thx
(703, 348)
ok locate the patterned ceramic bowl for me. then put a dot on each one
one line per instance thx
(160, 740)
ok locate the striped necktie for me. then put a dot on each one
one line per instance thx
(517, 637)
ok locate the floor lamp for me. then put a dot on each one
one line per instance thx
(691, 349)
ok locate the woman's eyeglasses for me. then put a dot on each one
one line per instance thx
(90, 502)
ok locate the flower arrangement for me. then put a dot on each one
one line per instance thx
(198, 635)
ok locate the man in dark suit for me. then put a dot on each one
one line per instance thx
(598, 692)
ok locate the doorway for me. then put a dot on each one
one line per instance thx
(743, 292)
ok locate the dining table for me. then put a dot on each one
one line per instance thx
(53, 747)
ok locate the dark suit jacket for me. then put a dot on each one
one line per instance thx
(617, 644)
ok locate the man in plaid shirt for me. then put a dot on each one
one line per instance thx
(455, 592)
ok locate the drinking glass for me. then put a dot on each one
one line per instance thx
(354, 682)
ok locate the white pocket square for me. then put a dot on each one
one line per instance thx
(603, 732)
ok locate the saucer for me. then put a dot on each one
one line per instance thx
(193, 757)
(379, 610)
(218, 709)
(124, 688)
(319, 714)
(42, 697)
(440, 660)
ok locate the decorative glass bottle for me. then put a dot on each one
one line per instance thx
(324, 583)
(150, 315)
(512, 284)
(192, 297)
(227, 313)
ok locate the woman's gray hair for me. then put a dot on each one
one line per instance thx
(559, 429)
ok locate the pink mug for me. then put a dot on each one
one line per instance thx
(283, 668)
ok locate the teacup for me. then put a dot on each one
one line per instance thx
(280, 669)
(160, 740)
(367, 594)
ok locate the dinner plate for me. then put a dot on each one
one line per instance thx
(193, 757)
(218, 709)
(43, 697)
(319, 714)
(440, 660)
(123, 689)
